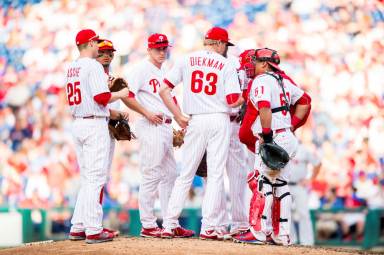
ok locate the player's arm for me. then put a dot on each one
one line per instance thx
(173, 77)
(99, 87)
(302, 108)
(260, 97)
(316, 171)
(234, 100)
(134, 105)
(109, 97)
(265, 113)
(166, 96)
(246, 135)
(314, 159)
(232, 87)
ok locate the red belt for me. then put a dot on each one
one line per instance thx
(281, 130)
(168, 121)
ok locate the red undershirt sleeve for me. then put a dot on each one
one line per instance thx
(232, 98)
(103, 98)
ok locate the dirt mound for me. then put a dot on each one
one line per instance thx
(139, 246)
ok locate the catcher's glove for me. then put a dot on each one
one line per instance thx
(118, 84)
(202, 170)
(273, 156)
(178, 137)
(120, 130)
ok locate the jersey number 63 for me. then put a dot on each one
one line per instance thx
(197, 82)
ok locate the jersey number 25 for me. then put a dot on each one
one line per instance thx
(197, 82)
(74, 93)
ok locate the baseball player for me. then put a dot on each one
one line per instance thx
(105, 57)
(88, 96)
(155, 133)
(237, 170)
(299, 193)
(210, 88)
(271, 94)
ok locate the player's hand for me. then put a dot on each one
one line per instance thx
(182, 121)
(153, 118)
(110, 81)
(123, 93)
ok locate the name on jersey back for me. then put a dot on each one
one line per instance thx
(206, 62)
(73, 72)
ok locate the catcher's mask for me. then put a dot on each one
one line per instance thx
(268, 55)
(247, 63)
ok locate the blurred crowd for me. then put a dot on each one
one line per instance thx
(333, 49)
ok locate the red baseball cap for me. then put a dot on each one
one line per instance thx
(158, 41)
(219, 34)
(85, 36)
(268, 55)
(105, 44)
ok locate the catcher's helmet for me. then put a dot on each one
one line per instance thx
(269, 55)
(247, 63)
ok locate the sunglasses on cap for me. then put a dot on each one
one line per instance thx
(105, 43)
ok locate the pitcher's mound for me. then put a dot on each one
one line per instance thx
(139, 246)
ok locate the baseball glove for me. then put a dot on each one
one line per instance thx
(120, 130)
(118, 84)
(178, 137)
(202, 170)
(273, 156)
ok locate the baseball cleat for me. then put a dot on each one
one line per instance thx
(247, 237)
(76, 236)
(178, 232)
(230, 235)
(115, 233)
(103, 236)
(151, 232)
(281, 240)
(211, 235)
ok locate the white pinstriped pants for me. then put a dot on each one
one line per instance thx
(211, 133)
(158, 169)
(92, 142)
(289, 142)
(237, 176)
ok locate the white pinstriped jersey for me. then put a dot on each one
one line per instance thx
(115, 105)
(207, 78)
(85, 78)
(300, 163)
(144, 81)
(266, 88)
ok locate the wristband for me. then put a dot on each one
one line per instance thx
(267, 137)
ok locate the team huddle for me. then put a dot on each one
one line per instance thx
(227, 103)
